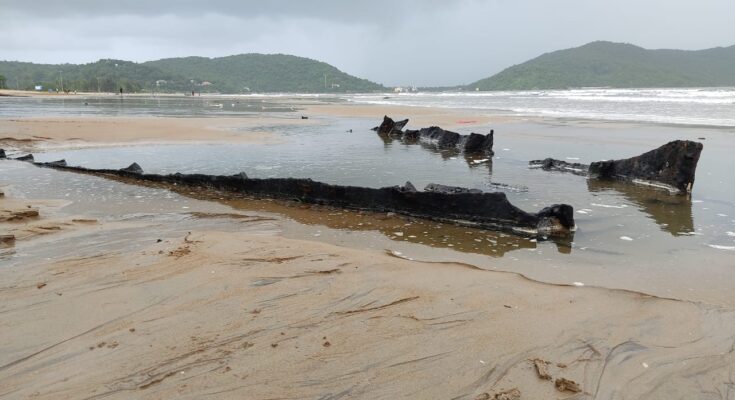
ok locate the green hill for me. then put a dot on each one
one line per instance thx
(234, 74)
(103, 76)
(617, 65)
(265, 73)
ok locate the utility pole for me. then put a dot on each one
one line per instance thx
(325, 82)
(61, 78)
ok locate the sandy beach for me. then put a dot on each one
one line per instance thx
(207, 301)
(232, 314)
(78, 132)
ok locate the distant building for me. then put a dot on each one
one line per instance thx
(205, 83)
(38, 87)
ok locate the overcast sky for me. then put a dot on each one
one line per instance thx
(394, 42)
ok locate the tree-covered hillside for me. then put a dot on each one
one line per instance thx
(102, 76)
(617, 65)
(265, 73)
(235, 74)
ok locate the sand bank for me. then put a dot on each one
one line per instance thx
(76, 132)
(39, 133)
(419, 116)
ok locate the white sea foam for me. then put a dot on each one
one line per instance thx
(608, 205)
(718, 247)
(710, 107)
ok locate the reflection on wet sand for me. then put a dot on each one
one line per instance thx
(400, 228)
(672, 213)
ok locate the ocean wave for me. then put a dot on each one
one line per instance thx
(705, 107)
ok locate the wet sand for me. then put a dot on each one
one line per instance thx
(79, 132)
(254, 315)
(418, 116)
(45, 133)
(226, 306)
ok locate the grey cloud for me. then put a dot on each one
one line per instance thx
(427, 42)
(374, 11)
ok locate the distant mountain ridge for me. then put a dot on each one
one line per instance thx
(244, 73)
(596, 64)
(619, 65)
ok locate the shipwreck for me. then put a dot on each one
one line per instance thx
(438, 137)
(455, 205)
(671, 167)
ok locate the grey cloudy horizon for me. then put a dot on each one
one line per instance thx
(398, 42)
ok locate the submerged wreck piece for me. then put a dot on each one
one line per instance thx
(437, 188)
(390, 127)
(466, 207)
(477, 142)
(444, 139)
(671, 166)
(58, 163)
(441, 138)
(27, 157)
(133, 168)
(550, 164)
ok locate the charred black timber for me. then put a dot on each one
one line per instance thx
(671, 166)
(440, 203)
(436, 136)
(550, 164)
(391, 128)
(27, 157)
